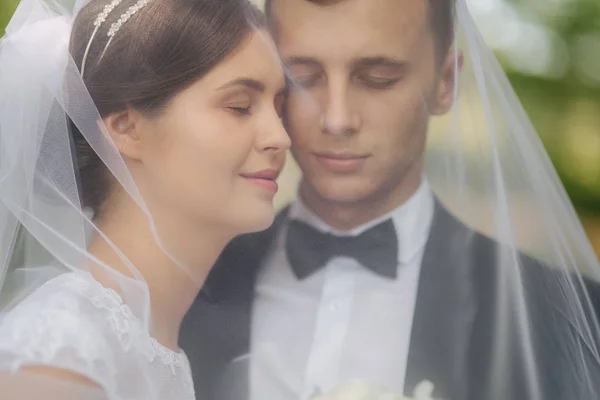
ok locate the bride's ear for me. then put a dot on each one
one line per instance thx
(124, 129)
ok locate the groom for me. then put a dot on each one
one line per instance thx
(365, 275)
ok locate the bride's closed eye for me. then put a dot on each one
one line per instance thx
(242, 110)
(239, 103)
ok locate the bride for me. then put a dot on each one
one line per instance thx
(136, 139)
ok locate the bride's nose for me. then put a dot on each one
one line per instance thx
(273, 137)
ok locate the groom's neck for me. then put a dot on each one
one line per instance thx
(347, 215)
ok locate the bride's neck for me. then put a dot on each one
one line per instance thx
(173, 282)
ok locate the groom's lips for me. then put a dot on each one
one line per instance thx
(341, 162)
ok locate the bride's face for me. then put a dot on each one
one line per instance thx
(212, 156)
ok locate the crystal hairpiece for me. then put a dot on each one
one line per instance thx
(97, 23)
(114, 28)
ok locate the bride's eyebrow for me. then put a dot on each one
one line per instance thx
(250, 83)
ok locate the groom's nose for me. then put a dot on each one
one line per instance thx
(338, 114)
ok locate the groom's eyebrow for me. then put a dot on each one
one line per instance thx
(298, 60)
(365, 62)
(248, 82)
(381, 61)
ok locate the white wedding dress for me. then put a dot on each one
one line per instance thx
(74, 323)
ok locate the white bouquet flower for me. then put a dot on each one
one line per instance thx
(360, 390)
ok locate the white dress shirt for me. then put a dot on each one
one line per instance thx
(342, 323)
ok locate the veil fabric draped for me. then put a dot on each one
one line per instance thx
(506, 248)
(527, 277)
(102, 347)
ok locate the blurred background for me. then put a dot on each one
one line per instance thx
(550, 50)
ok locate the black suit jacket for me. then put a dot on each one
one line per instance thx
(454, 340)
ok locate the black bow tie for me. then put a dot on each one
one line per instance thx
(308, 249)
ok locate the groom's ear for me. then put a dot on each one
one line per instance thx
(124, 130)
(447, 82)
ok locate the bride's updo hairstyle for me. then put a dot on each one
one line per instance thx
(161, 49)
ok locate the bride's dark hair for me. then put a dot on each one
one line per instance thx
(163, 49)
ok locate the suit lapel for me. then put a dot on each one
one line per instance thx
(445, 310)
(216, 330)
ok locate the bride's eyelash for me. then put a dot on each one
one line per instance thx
(241, 110)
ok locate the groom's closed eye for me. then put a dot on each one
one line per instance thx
(379, 72)
(377, 81)
(305, 76)
(307, 81)
(304, 72)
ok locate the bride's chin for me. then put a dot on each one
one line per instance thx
(258, 218)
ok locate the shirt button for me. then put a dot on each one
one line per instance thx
(334, 306)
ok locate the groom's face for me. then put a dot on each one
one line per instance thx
(365, 79)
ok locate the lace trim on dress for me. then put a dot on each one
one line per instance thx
(130, 330)
(74, 323)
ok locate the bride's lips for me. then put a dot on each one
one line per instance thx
(265, 179)
(341, 162)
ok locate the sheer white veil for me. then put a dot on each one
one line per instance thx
(41, 206)
(527, 273)
(40, 190)
(484, 161)
(488, 166)
(42, 93)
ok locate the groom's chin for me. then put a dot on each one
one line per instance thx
(338, 190)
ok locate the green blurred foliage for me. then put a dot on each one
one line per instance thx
(566, 110)
(7, 7)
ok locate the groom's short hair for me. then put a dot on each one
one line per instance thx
(442, 18)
